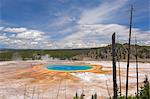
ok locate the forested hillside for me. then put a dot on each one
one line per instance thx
(101, 53)
(104, 53)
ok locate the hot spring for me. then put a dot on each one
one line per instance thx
(69, 68)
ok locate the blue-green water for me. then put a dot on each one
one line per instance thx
(68, 67)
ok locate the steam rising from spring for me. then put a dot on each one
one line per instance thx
(48, 58)
(16, 57)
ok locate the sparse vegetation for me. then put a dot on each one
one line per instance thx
(144, 92)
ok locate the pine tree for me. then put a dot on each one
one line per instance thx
(76, 97)
(92, 97)
(82, 96)
(95, 96)
(145, 90)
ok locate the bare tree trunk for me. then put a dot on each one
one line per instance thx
(136, 69)
(114, 66)
(128, 60)
(120, 91)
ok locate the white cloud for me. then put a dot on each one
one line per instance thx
(1, 28)
(30, 34)
(104, 12)
(62, 20)
(147, 42)
(34, 43)
(15, 30)
(87, 36)
(100, 35)
(24, 38)
(2, 37)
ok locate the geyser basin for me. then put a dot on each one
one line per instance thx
(68, 68)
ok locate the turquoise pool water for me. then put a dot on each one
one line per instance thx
(68, 67)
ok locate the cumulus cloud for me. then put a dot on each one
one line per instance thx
(30, 34)
(87, 36)
(23, 38)
(15, 30)
(2, 37)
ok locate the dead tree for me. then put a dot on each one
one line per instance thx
(128, 59)
(136, 57)
(114, 66)
(118, 60)
(95, 96)
(82, 95)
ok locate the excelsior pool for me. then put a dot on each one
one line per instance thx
(68, 67)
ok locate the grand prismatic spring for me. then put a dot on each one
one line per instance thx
(68, 68)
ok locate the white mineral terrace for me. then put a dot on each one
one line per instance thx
(27, 79)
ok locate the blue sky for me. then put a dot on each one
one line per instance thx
(53, 24)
